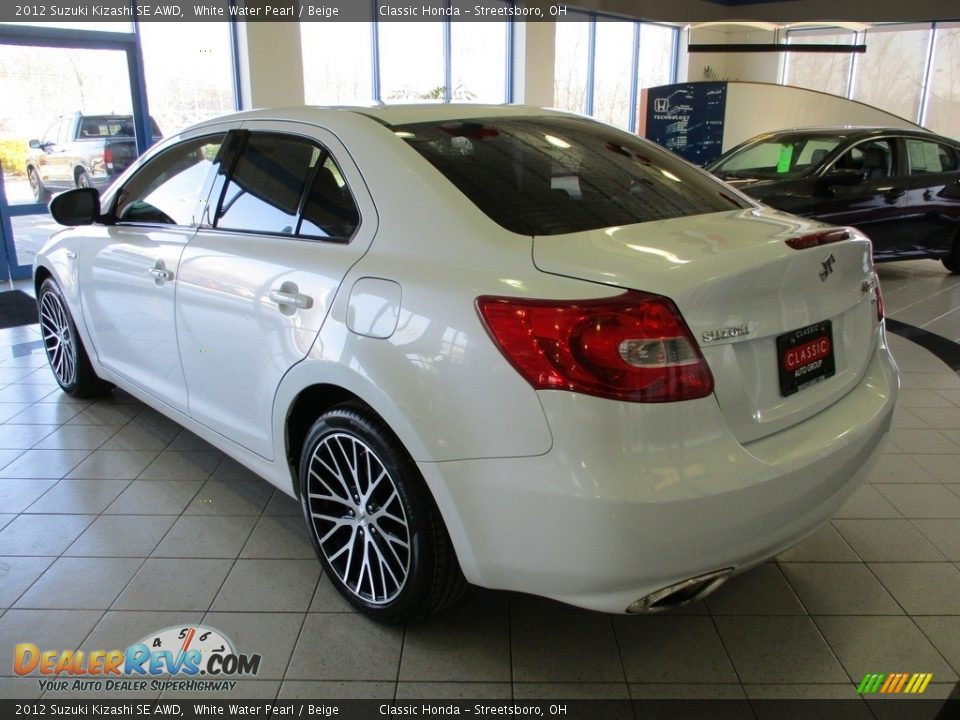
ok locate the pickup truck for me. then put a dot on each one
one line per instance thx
(82, 151)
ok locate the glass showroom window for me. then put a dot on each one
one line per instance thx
(411, 61)
(612, 75)
(571, 66)
(195, 82)
(478, 63)
(943, 89)
(826, 72)
(337, 63)
(658, 62)
(890, 74)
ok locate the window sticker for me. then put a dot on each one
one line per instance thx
(783, 162)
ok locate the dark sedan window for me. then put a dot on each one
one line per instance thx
(287, 185)
(547, 176)
(783, 156)
(166, 190)
(927, 156)
(874, 158)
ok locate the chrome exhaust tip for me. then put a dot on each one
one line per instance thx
(681, 593)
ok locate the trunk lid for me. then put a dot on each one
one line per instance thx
(740, 287)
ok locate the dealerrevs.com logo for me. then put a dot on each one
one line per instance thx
(185, 653)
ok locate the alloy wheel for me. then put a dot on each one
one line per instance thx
(58, 338)
(358, 518)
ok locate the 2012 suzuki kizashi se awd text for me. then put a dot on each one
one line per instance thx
(486, 344)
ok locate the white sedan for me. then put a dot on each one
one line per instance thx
(499, 345)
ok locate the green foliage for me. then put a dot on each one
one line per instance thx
(13, 156)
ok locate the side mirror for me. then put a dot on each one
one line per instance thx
(80, 206)
(35, 144)
(843, 176)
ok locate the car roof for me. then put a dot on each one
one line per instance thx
(853, 131)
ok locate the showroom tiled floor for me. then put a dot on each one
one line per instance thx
(115, 522)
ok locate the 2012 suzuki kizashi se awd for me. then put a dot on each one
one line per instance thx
(500, 345)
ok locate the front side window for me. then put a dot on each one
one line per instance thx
(166, 190)
(874, 158)
(927, 156)
(553, 175)
(287, 185)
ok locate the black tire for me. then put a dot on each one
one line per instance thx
(65, 352)
(40, 193)
(952, 261)
(378, 506)
(83, 180)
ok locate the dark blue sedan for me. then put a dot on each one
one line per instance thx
(899, 186)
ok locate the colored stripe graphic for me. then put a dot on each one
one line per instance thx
(912, 683)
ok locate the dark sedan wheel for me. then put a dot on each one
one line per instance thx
(65, 352)
(952, 261)
(372, 520)
(40, 193)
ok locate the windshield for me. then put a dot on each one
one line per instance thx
(784, 156)
(547, 176)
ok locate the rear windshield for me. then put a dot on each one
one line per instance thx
(548, 176)
(107, 126)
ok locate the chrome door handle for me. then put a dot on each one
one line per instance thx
(291, 299)
(161, 274)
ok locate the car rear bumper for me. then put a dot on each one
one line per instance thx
(633, 498)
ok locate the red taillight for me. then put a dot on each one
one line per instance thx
(823, 237)
(879, 297)
(108, 157)
(634, 346)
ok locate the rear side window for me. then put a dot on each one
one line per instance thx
(287, 185)
(927, 156)
(548, 176)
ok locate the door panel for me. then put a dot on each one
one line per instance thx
(250, 305)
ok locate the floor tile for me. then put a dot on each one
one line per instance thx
(269, 586)
(181, 584)
(22, 393)
(454, 691)
(944, 468)
(46, 414)
(825, 545)
(899, 469)
(345, 647)
(564, 648)
(122, 628)
(224, 496)
(248, 689)
(5, 520)
(840, 589)
(141, 437)
(887, 540)
(16, 495)
(664, 649)
(154, 497)
(17, 574)
(358, 690)
(121, 536)
(173, 465)
(106, 412)
(61, 630)
(74, 437)
(23, 437)
(759, 591)
(882, 644)
(80, 583)
(944, 534)
(272, 635)
(922, 588)
(52, 464)
(279, 536)
(206, 536)
(838, 691)
(458, 648)
(79, 496)
(113, 464)
(923, 441)
(756, 646)
(17, 688)
(327, 599)
(944, 634)
(11, 409)
(282, 504)
(686, 691)
(940, 418)
(867, 502)
(524, 604)
(186, 441)
(921, 397)
(922, 501)
(42, 534)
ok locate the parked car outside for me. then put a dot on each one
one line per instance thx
(82, 151)
(496, 344)
(901, 187)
